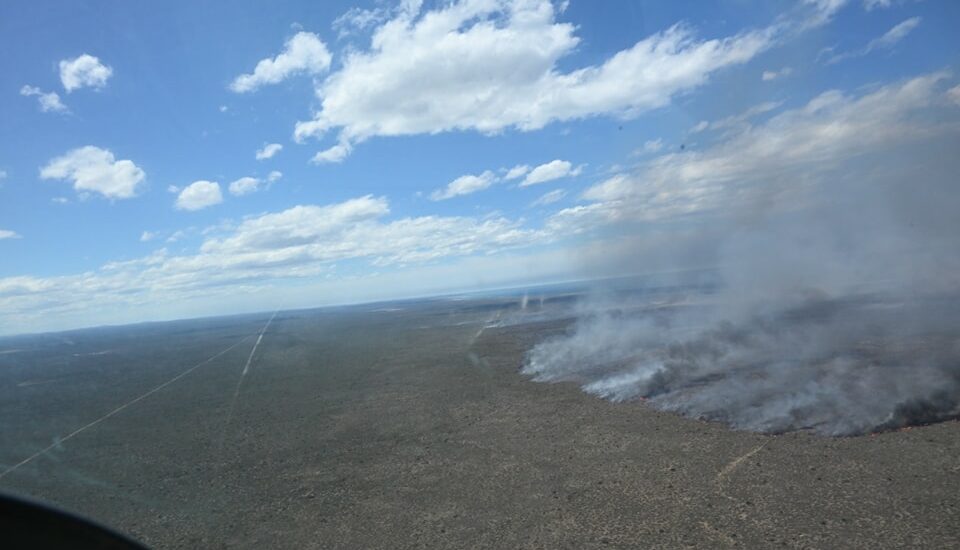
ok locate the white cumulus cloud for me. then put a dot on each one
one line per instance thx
(310, 234)
(464, 185)
(550, 171)
(517, 172)
(49, 101)
(198, 195)
(244, 186)
(7, 234)
(304, 53)
(332, 155)
(83, 72)
(304, 242)
(95, 170)
(268, 151)
(505, 74)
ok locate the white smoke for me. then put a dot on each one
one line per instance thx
(839, 367)
(834, 230)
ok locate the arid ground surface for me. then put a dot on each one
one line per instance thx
(407, 426)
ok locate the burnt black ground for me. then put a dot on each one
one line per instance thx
(403, 429)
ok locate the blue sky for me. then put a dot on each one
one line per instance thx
(396, 127)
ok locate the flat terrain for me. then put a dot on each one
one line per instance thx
(408, 426)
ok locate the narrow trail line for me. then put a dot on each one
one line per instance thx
(483, 327)
(80, 430)
(732, 465)
(720, 482)
(246, 367)
(243, 375)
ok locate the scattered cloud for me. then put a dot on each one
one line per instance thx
(895, 34)
(177, 236)
(832, 127)
(268, 151)
(7, 234)
(464, 185)
(85, 71)
(889, 39)
(870, 5)
(244, 186)
(652, 146)
(335, 154)
(49, 101)
(60, 200)
(767, 76)
(298, 243)
(199, 195)
(738, 120)
(517, 172)
(507, 78)
(358, 19)
(354, 229)
(822, 11)
(304, 53)
(95, 170)
(224, 108)
(549, 197)
(954, 94)
(550, 171)
(506, 74)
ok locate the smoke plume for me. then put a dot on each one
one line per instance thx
(834, 232)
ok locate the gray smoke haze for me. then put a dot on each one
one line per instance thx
(834, 232)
